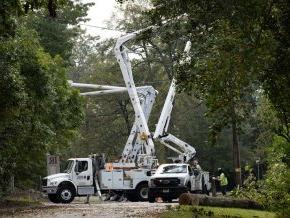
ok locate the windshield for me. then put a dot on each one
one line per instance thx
(68, 166)
(174, 169)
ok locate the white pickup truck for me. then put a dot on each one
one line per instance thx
(171, 180)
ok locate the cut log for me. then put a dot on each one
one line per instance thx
(195, 199)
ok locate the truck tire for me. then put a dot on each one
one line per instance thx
(151, 197)
(66, 193)
(142, 192)
(132, 197)
(54, 198)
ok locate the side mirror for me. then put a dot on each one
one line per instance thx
(148, 173)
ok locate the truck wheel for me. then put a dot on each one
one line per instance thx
(142, 192)
(66, 194)
(151, 197)
(54, 198)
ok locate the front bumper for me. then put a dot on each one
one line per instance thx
(49, 189)
(167, 192)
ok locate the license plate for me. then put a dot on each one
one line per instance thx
(165, 190)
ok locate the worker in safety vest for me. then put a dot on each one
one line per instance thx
(223, 181)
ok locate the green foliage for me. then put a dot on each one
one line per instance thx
(40, 113)
(277, 178)
(276, 79)
(238, 47)
(273, 192)
(54, 34)
(9, 9)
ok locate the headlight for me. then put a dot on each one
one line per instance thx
(182, 181)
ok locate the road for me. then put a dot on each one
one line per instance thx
(94, 209)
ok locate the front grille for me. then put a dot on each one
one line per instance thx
(166, 182)
(44, 182)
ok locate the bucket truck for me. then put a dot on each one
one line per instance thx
(171, 180)
(88, 176)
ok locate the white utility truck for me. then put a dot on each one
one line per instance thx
(81, 178)
(88, 176)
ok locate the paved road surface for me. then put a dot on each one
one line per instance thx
(94, 209)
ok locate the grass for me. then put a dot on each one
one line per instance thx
(205, 211)
(10, 203)
(18, 201)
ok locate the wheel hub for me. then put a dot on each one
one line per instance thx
(66, 194)
(144, 192)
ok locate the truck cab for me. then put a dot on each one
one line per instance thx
(75, 180)
(171, 180)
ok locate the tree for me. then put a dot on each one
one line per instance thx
(40, 112)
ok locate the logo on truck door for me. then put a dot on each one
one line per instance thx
(81, 177)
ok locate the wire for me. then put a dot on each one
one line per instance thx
(63, 22)
(103, 28)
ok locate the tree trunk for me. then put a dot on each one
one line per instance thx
(236, 151)
(213, 142)
(52, 6)
(204, 200)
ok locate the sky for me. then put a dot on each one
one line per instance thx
(99, 14)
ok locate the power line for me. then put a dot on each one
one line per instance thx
(64, 22)
(103, 28)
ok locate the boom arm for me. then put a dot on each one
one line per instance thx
(121, 54)
(147, 96)
(125, 65)
(160, 134)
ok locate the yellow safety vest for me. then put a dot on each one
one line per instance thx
(224, 180)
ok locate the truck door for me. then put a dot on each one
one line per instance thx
(83, 173)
